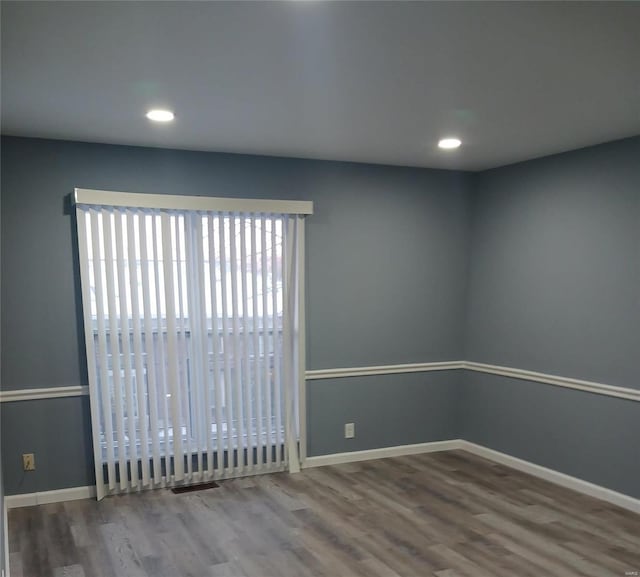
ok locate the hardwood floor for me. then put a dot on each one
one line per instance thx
(448, 514)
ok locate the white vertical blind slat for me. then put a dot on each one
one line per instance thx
(105, 415)
(286, 353)
(204, 349)
(256, 372)
(247, 381)
(150, 349)
(201, 348)
(161, 372)
(277, 359)
(121, 266)
(217, 383)
(137, 347)
(227, 360)
(83, 232)
(267, 344)
(237, 365)
(173, 396)
(185, 414)
(195, 348)
(117, 396)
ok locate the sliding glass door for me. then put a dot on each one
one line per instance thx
(193, 329)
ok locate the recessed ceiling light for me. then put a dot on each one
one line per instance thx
(160, 115)
(449, 143)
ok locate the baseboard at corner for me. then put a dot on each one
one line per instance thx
(579, 485)
(44, 497)
(553, 476)
(5, 522)
(397, 451)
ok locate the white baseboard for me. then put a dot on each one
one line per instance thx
(44, 497)
(398, 451)
(579, 485)
(5, 522)
(591, 489)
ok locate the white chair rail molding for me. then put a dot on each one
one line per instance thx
(344, 372)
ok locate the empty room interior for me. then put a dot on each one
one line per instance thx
(308, 288)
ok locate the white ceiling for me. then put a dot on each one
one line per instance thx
(363, 81)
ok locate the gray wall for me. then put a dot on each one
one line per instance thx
(592, 437)
(555, 265)
(545, 254)
(386, 273)
(555, 287)
(58, 431)
(388, 410)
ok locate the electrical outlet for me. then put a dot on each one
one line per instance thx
(29, 462)
(349, 430)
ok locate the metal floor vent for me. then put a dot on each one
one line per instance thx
(191, 488)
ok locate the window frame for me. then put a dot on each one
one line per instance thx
(102, 198)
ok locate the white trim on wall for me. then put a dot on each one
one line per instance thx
(574, 483)
(569, 383)
(397, 451)
(383, 370)
(319, 374)
(579, 485)
(5, 522)
(521, 374)
(43, 393)
(45, 497)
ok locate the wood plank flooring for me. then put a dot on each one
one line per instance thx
(449, 514)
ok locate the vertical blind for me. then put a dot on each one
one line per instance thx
(192, 328)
